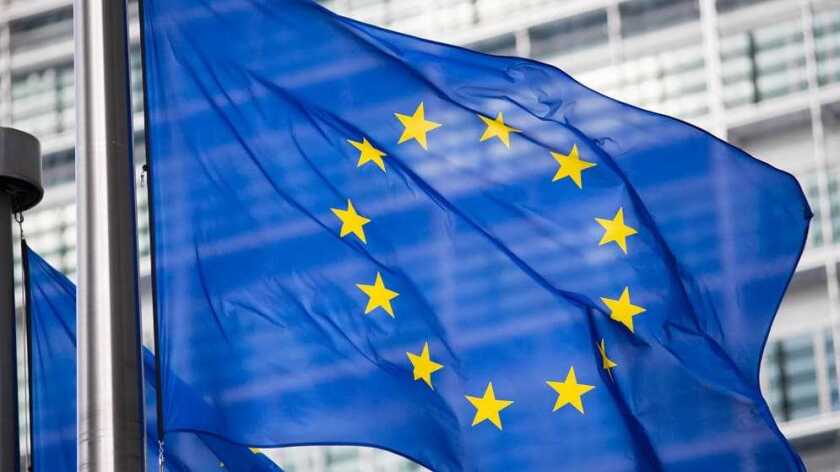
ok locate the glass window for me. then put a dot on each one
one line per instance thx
(724, 6)
(792, 378)
(827, 45)
(569, 34)
(671, 82)
(763, 63)
(643, 16)
(504, 45)
(43, 100)
(41, 30)
(59, 167)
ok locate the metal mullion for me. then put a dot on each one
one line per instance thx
(522, 43)
(820, 362)
(711, 55)
(616, 44)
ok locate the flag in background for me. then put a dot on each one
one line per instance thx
(52, 307)
(366, 238)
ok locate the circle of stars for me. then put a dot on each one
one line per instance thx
(571, 166)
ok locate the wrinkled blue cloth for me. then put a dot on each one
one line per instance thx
(335, 204)
(52, 308)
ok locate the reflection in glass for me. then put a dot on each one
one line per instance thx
(643, 16)
(827, 45)
(792, 376)
(763, 63)
(563, 36)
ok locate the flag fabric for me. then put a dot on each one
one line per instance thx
(51, 304)
(52, 308)
(361, 237)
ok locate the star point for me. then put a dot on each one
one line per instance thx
(423, 365)
(488, 407)
(606, 363)
(571, 166)
(351, 221)
(416, 126)
(569, 391)
(615, 230)
(623, 310)
(379, 296)
(496, 128)
(368, 153)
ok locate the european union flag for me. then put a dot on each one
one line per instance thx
(52, 309)
(362, 237)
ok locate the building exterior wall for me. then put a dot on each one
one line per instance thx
(764, 74)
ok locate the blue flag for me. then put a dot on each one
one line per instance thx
(361, 237)
(52, 308)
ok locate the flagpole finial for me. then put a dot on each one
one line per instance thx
(20, 168)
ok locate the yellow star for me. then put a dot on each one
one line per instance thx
(416, 126)
(615, 230)
(255, 450)
(606, 362)
(488, 407)
(351, 222)
(498, 129)
(571, 166)
(569, 391)
(423, 365)
(379, 296)
(622, 310)
(368, 153)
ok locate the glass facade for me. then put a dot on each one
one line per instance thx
(643, 16)
(43, 100)
(792, 372)
(779, 92)
(801, 375)
(763, 63)
(581, 31)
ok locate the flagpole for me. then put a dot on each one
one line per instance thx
(159, 414)
(20, 189)
(110, 421)
(27, 310)
(9, 432)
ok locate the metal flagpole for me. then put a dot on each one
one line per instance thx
(110, 420)
(20, 189)
(27, 310)
(159, 413)
(9, 441)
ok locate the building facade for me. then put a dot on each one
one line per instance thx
(763, 74)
